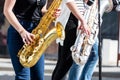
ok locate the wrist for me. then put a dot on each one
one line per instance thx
(83, 23)
(21, 31)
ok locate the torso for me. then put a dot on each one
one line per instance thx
(28, 9)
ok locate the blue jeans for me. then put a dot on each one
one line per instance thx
(84, 72)
(15, 43)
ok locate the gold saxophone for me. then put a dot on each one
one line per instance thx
(30, 54)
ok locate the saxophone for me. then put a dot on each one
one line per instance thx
(30, 54)
(83, 44)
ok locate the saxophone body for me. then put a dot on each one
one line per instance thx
(83, 44)
(30, 54)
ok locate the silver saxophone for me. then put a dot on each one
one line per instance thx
(83, 44)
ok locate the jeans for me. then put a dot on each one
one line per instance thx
(84, 72)
(14, 43)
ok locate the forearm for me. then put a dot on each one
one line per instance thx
(13, 20)
(72, 6)
(8, 7)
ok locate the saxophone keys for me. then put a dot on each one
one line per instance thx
(39, 31)
(37, 36)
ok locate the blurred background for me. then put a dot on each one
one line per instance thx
(110, 49)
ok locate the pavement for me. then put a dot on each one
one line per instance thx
(109, 72)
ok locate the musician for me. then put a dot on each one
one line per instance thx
(85, 72)
(24, 15)
(65, 61)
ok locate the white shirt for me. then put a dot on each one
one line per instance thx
(64, 16)
(65, 13)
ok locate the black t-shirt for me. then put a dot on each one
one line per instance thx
(28, 9)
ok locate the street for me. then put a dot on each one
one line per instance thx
(7, 73)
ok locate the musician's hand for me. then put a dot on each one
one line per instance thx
(27, 37)
(57, 13)
(85, 28)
